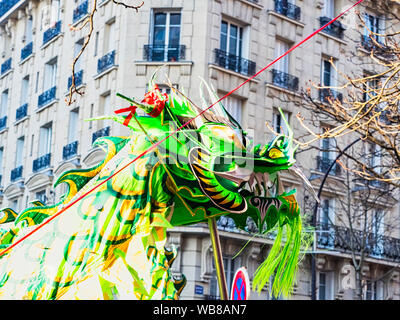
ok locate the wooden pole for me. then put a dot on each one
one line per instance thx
(219, 263)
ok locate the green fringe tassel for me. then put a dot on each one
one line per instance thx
(282, 262)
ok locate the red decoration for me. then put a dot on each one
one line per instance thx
(131, 110)
(156, 98)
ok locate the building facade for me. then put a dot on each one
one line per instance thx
(222, 41)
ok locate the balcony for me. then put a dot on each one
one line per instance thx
(80, 11)
(6, 5)
(78, 79)
(164, 53)
(324, 163)
(375, 245)
(70, 150)
(22, 112)
(26, 51)
(52, 32)
(47, 97)
(335, 29)
(41, 162)
(106, 62)
(3, 123)
(234, 63)
(6, 66)
(329, 95)
(16, 173)
(287, 9)
(285, 80)
(101, 133)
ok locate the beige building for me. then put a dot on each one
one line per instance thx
(223, 41)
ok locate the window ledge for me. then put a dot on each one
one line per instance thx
(253, 4)
(45, 106)
(103, 3)
(237, 74)
(79, 20)
(322, 174)
(4, 130)
(343, 42)
(83, 85)
(6, 73)
(44, 46)
(272, 86)
(21, 120)
(99, 75)
(368, 53)
(281, 16)
(26, 59)
(159, 63)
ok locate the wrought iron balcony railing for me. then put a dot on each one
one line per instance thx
(80, 11)
(345, 240)
(104, 132)
(78, 79)
(284, 7)
(6, 5)
(3, 123)
(22, 112)
(164, 53)
(70, 150)
(285, 80)
(329, 95)
(324, 163)
(47, 96)
(26, 51)
(52, 32)
(106, 62)
(41, 162)
(234, 63)
(335, 29)
(6, 66)
(16, 173)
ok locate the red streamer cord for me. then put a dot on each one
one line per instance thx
(178, 129)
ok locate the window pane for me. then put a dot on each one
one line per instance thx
(175, 19)
(159, 36)
(160, 18)
(224, 36)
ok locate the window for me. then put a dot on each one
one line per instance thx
(4, 103)
(328, 147)
(14, 205)
(328, 73)
(230, 267)
(55, 14)
(32, 140)
(45, 139)
(24, 90)
(77, 48)
(234, 106)
(373, 290)
(109, 37)
(96, 43)
(326, 287)
(105, 108)
(41, 196)
(282, 47)
(279, 123)
(231, 38)
(73, 125)
(327, 214)
(28, 30)
(329, 9)
(378, 232)
(165, 37)
(50, 74)
(1, 161)
(375, 24)
(19, 155)
(375, 160)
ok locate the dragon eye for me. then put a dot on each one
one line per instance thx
(275, 153)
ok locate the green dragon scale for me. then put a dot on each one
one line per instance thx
(111, 243)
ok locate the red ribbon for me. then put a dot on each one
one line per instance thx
(156, 98)
(131, 110)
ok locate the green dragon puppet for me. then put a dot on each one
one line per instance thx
(111, 243)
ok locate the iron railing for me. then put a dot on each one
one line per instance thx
(346, 240)
(70, 150)
(334, 29)
(41, 162)
(6, 66)
(104, 132)
(26, 51)
(285, 80)
(235, 63)
(6, 5)
(106, 62)
(78, 79)
(21, 112)
(47, 96)
(328, 95)
(284, 7)
(3, 123)
(80, 11)
(164, 53)
(324, 163)
(52, 32)
(16, 173)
